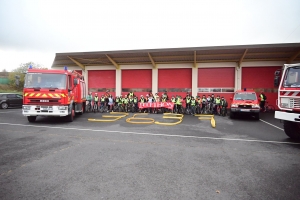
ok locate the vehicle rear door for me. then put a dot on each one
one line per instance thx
(14, 99)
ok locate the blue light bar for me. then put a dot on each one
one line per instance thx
(65, 68)
(30, 67)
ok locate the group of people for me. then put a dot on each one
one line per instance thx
(129, 103)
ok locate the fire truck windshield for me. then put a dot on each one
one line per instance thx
(292, 77)
(51, 81)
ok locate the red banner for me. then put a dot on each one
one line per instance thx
(169, 105)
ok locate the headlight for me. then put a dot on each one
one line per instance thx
(62, 108)
(255, 106)
(234, 105)
(26, 107)
(284, 102)
(284, 105)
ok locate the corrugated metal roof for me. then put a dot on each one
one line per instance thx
(286, 52)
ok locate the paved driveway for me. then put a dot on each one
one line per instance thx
(239, 159)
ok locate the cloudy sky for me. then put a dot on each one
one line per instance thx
(34, 30)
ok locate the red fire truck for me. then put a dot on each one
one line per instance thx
(289, 99)
(59, 93)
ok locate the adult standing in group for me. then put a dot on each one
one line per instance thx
(263, 99)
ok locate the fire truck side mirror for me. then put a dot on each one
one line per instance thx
(277, 77)
(75, 81)
(276, 81)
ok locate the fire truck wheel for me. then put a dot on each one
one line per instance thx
(70, 117)
(292, 129)
(31, 118)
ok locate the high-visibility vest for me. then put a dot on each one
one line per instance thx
(178, 101)
(142, 100)
(102, 99)
(223, 103)
(204, 100)
(218, 101)
(193, 102)
(199, 101)
(261, 97)
(131, 94)
(96, 98)
(164, 99)
(125, 100)
(117, 100)
(173, 100)
(135, 100)
(188, 99)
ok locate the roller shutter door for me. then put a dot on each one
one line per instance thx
(217, 81)
(138, 80)
(261, 78)
(175, 81)
(101, 80)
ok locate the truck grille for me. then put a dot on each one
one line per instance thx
(45, 101)
(245, 106)
(294, 103)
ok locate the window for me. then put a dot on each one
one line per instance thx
(292, 77)
(245, 96)
(11, 96)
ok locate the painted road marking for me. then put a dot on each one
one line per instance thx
(271, 124)
(152, 134)
(10, 111)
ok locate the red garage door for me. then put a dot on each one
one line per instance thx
(138, 80)
(217, 81)
(175, 81)
(261, 78)
(101, 80)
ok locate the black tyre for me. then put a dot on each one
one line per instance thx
(256, 116)
(292, 129)
(31, 118)
(4, 105)
(232, 115)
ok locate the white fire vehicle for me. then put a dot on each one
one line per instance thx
(289, 99)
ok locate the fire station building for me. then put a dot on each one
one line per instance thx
(218, 70)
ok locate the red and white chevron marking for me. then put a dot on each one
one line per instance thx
(290, 93)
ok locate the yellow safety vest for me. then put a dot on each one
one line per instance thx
(193, 102)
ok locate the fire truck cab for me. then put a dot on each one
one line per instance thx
(60, 93)
(289, 98)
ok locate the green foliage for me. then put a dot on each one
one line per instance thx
(21, 71)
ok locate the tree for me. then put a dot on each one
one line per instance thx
(4, 70)
(16, 77)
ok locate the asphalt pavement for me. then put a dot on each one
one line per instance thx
(238, 159)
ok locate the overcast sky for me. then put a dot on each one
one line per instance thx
(34, 30)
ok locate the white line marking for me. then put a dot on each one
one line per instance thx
(271, 124)
(10, 111)
(152, 134)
